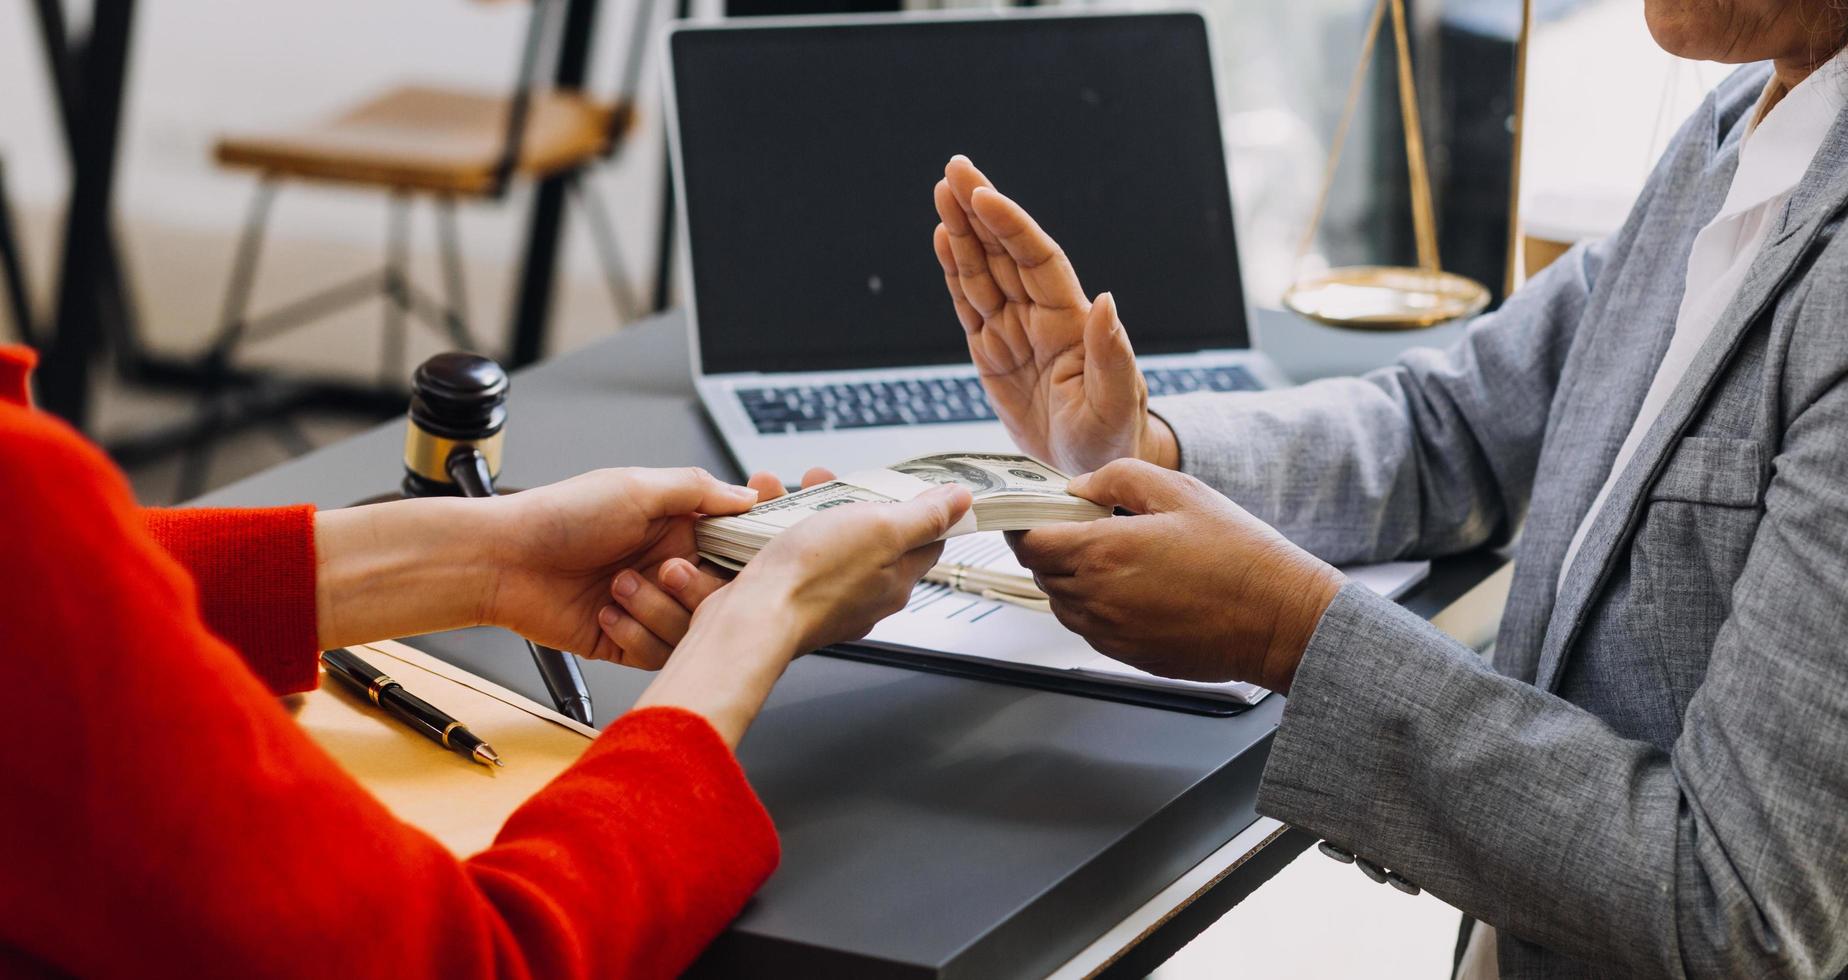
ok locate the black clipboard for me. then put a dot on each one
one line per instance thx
(1001, 674)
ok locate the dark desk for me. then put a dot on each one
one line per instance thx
(931, 826)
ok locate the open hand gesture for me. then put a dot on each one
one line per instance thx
(1057, 366)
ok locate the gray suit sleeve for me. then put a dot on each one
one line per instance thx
(1725, 856)
(1432, 455)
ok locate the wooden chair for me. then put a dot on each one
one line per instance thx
(441, 143)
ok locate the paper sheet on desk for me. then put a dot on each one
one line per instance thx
(941, 621)
(458, 802)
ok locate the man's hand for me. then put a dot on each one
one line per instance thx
(1191, 586)
(1057, 366)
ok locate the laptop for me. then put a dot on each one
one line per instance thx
(804, 151)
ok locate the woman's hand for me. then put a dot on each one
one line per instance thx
(650, 614)
(562, 544)
(537, 562)
(825, 580)
(831, 577)
(1058, 367)
(1191, 586)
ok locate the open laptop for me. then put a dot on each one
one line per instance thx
(805, 150)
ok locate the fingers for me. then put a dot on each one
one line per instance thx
(688, 584)
(1136, 486)
(650, 618)
(688, 490)
(635, 645)
(913, 564)
(887, 532)
(1067, 603)
(964, 180)
(1044, 270)
(965, 313)
(921, 520)
(968, 257)
(767, 485)
(1112, 385)
(658, 612)
(1050, 551)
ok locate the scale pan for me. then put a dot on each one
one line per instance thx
(1374, 297)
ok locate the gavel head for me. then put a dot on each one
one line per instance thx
(458, 400)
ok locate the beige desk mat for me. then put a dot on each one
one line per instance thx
(459, 802)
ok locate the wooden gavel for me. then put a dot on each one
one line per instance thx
(452, 448)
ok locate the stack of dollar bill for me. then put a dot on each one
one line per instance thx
(1012, 493)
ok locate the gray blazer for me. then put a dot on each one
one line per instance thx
(1652, 778)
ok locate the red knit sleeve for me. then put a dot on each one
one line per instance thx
(15, 366)
(254, 570)
(165, 815)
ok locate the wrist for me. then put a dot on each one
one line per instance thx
(732, 655)
(499, 546)
(1158, 444)
(756, 619)
(1307, 598)
(400, 568)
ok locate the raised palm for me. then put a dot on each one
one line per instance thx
(1057, 366)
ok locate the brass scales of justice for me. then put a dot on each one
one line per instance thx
(1381, 298)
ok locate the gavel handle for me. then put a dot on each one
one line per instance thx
(564, 681)
(469, 469)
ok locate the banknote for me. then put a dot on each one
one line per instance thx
(1011, 492)
(988, 474)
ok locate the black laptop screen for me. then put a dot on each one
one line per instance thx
(810, 152)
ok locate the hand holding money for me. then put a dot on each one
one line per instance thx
(652, 609)
(1011, 492)
(825, 582)
(652, 614)
(837, 575)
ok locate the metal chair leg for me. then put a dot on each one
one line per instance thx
(232, 320)
(288, 432)
(397, 288)
(215, 407)
(455, 317)
(13, 269)
(603, 233)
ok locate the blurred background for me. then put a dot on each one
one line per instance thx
(208, 86)
(1603, 100)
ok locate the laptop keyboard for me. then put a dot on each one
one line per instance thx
(928, 401)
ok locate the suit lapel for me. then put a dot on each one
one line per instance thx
(1812, 205)
(1628, 329)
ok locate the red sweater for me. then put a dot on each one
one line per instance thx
(163, 815)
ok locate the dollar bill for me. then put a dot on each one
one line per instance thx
(785, 511)
(1010, 491)
(988, 474)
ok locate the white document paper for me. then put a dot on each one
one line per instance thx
(959, 625)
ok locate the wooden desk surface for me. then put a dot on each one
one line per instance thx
(460, 803)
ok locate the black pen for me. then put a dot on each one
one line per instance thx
(414, 711)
